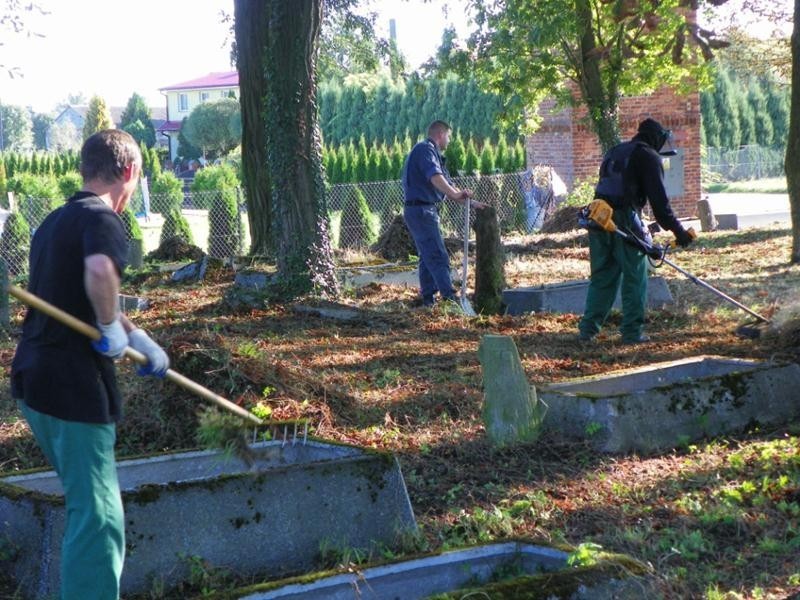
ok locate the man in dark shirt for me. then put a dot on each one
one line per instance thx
(631, 174)
(426, 182)
(65, 384)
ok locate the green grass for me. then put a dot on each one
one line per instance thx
(770, 185)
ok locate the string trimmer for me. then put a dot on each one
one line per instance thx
(599, 215)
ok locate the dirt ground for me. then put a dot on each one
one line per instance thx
(717, 519)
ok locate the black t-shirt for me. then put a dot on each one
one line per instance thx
(55, 369)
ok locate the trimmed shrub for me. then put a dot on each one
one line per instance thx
(14, 244)
(69, 184)
(224, 239)
(357, 228)
(132, 229)
(176, 225)
(212, 179)
(166, 193)
(35, 186)
(487, 160)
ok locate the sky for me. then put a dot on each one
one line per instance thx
(114, 48)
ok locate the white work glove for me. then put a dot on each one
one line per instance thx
(114, 340)
(157, 359)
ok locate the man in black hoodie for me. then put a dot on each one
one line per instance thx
(631, 174)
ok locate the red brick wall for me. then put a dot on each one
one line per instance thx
(567, 143)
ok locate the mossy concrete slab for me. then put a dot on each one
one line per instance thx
(666, 405)
(517, 563)
(570, 297)
(363, 276)
(270, 519)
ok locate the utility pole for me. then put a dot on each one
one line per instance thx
(2, 139)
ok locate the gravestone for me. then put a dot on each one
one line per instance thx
(570, 297)
(706, 214)
(665, 405)
(490, 277)
(511, 411)
(728, 222)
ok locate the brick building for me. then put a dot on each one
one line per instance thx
(566, 142)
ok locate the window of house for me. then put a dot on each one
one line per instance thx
(183, 102)
(204, 96)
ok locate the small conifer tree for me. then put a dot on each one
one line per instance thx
(14, 244)
(356, 230)
(176, 225)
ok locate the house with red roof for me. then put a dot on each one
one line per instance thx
(183, 97)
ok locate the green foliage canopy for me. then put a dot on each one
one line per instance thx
(600, 49)
(215, 127)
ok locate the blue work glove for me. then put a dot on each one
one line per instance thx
(157, 359)
(114, 340)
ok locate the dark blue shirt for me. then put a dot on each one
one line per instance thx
(423, 162)
(55, 369)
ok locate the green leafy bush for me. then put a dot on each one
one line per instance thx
(166, 193)
(582, 193)
(132, 229)
(69, 183)
(224, 225)
(211, 179)
(357, 228)
(176, 225)
(14, 244)
(35, 186)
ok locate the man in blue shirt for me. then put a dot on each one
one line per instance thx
(426, 182)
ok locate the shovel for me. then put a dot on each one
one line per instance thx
(465, 305)
(67, 319)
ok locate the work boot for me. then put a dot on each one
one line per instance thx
(640, 339)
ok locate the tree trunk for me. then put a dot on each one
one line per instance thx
(251, 30)
(792, 164)
(490, 278)
(601, 99)
(286, 38)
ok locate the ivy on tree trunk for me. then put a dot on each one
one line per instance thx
(286, 36)
(251, 27)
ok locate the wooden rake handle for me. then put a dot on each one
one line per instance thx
(67, 319)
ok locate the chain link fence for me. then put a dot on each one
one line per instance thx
(216, 221)
(360, 213)
(747, 162)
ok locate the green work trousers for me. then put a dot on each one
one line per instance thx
(612, 261)
(93, 548)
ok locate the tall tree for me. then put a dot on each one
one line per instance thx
(215, 127)
(137, 120)
(98, 117)
(250, 27)
(40, 124)
(16, 128)
(600, 49)
(792, 163)
(763, 124)
(285, 49)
